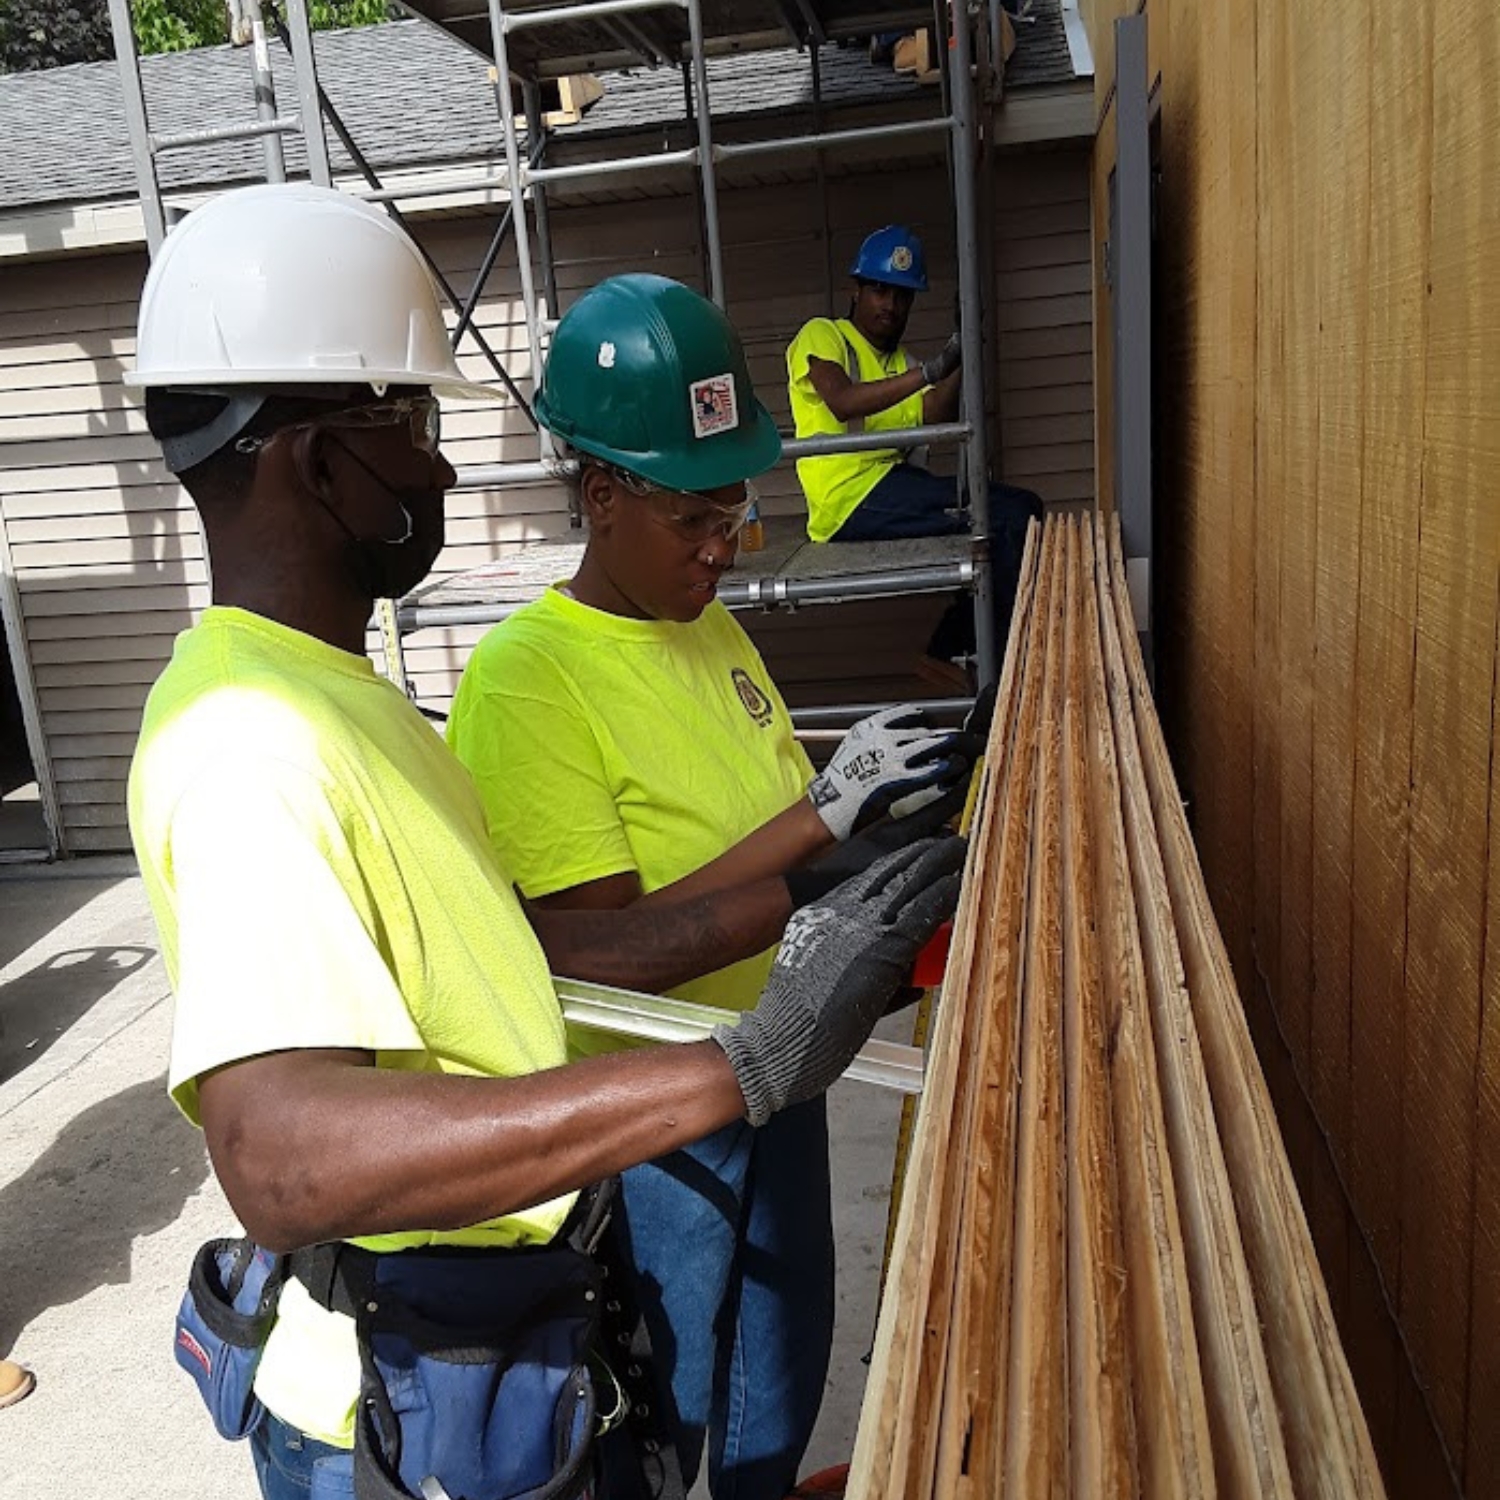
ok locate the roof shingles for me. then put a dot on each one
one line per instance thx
(65, 127)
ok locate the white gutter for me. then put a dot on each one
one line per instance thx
(45, 233)
(1078, 40)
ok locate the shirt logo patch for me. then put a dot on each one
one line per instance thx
(757, 705)
(901, 258)
(715, 406)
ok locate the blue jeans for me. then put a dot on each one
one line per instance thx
(911, 502)
(731, 1241)
(287, 1460)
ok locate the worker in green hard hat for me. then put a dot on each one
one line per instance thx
(629, 746)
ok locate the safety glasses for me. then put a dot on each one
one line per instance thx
(420, 413)
(694, 517)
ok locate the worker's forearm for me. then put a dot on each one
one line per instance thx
(848, 399)
(313, 1146)
(788, 840)
(867, 398)
(653, 945)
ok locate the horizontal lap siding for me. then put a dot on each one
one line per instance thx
(1044, 307)
(107, 550)
(107, 556)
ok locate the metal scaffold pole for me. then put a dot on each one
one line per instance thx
(247, 24)
(134, 100)
(706, 164)
(971, 332)
(307, 93)
(536, 142)
(517, 179)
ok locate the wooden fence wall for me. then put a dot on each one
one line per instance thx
(1327, 389)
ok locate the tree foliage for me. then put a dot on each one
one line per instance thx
(48, 33)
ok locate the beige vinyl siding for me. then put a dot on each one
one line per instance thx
(1044, 324)
(107, 550)
(107, 555)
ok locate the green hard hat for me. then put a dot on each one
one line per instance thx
(647, 374)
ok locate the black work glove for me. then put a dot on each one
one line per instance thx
(979, 718)
(812, 881)
(944, 362)
(841, 960)
(965, 744)
(882, 759)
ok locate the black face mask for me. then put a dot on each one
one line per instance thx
(389, 567)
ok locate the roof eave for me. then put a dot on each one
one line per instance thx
(1058, 114)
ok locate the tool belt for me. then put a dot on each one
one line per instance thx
(479, 1367)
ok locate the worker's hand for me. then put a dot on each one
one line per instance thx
(969, 741)
(881, 760)
(812, 882)
(841, 961)
(944, 362)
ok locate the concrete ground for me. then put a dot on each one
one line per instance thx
(105, 1192)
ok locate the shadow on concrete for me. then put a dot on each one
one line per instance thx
(31, 908)
(122, 1169)
(37, 1007)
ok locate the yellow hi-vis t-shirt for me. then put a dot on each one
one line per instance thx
(601, 745)
(321, 877)
(835, 483)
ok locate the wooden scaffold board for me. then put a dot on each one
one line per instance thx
(1102, 1282)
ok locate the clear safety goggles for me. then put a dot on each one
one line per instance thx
(421, 414)
(694, 517)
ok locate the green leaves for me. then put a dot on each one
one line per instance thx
(177, 25)
(48, 33)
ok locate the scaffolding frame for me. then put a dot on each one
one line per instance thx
(525, 179)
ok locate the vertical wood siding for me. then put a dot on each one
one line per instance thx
(1329, 564)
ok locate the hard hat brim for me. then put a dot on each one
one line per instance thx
(440, 385)
(728, 458)
(891, 278)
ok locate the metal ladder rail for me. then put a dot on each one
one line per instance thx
(377, 192)
(270, 126)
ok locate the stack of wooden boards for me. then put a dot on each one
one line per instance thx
(1103, 1283)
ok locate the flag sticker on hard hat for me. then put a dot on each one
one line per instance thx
(714, 406)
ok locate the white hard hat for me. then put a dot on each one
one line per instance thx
(291, 284)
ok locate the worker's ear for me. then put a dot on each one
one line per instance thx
(310, 460)
(598, 496)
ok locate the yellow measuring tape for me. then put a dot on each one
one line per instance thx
(920, 1029)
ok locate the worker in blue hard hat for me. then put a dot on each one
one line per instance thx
(853, 374)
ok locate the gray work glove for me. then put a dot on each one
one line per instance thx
(882, 759)
(944, 362)
(841, 961)
(814, 880)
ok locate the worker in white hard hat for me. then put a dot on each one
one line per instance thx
(365, 1026)
(628, 744)
(854, 374)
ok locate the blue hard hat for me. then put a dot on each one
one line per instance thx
(892, 255)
